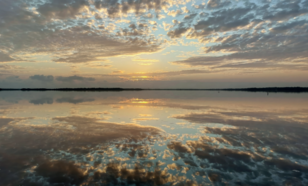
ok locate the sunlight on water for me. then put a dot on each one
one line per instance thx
(153, 138)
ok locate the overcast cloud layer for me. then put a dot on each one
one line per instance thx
(56, 43)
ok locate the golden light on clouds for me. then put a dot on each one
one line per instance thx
(174, 39)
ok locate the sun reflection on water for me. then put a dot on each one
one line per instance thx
(165, 142)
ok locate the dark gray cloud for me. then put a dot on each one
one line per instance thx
(90, 45)
(135, 30)
(15, 13)
(77, 58)
(56, 27)
(269, 46)
(74, 78)
(6, 67)
(254, 129)
(225, 20)
(261, 31)
(190, 16)
(266, 33)
(116, 8)
(42, 78)
(217, 21)
(42, 101)
(252, 119)
(179, 31)
(201, 61)
(86, 130)
(14, 78)
(158, 74)
(62, 9)
(240, 61)
(5, 121)
(181, 72)
(267, 30)
(74, 100)
(254, 65)
(290, 27)
(5, 58)
(213, 4)
(283, 10)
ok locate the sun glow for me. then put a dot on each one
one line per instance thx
(140, 78)
(140, 101)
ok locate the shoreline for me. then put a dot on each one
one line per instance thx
(265, 89)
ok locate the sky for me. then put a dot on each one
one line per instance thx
(153, 43)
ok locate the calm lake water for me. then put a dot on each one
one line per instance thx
(153, 138)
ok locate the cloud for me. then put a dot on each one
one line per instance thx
(42, 78)
(213, 4)
(15, 13)
(179, 31)
(175, 13)
(57, 28)
(135, 30)
(72, 132)
(233, 34)
(285, 40)
(62, 9)
(13, 78)
(144, 119)
(284, 10)
(5, 121)
(74, 78)
(78, 58)
(201, 61)
(42, 101)
(268, 34)
(117, 9)
(219, 153)
(181, 72)
(284, 27)
(5, 58)
(251, 118)
(67, 172)
(240, 61)
(74, 100)
(225, 20)
(92, 45)
(178, 147)
(253, 128)
(93, 65)
(117, 72)
(155, 75)
(190, 16)
(10, 67)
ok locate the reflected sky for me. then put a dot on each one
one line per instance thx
(153, 138)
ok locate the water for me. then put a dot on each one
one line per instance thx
(153, 138)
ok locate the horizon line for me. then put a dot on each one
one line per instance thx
(250, 89)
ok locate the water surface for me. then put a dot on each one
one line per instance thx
(153, 138)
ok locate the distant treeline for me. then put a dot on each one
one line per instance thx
(266, 89)
(70, 89)
(270, 89)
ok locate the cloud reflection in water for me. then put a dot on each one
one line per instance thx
(153, 141)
